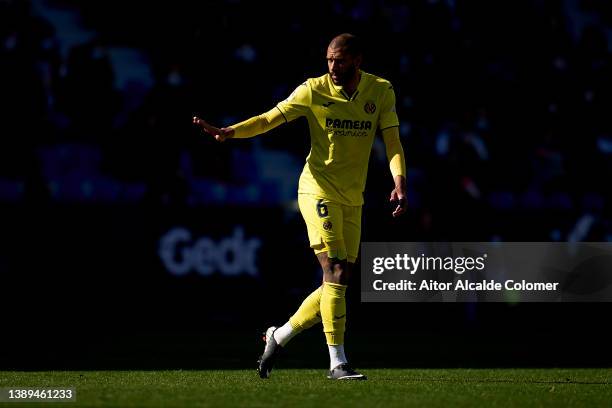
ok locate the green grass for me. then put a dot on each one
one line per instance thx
(385, 388)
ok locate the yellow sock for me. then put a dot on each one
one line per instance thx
(308, 313)
(333, 312)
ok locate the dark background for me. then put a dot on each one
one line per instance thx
(504, 121)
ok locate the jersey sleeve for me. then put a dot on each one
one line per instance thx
(297, 104)
(395, 152)
(388, 116)
(258, 124)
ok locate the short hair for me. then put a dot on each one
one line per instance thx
(349, 43)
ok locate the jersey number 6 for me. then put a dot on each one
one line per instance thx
(321, 209)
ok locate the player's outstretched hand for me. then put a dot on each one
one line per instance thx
(220, 134)
(398, 199)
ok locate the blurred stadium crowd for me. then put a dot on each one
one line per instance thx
(503, 107)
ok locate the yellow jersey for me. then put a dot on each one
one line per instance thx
(342, 131)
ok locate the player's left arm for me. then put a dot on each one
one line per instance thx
(388, 123)
(397, 165)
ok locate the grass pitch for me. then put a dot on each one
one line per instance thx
(292, 387)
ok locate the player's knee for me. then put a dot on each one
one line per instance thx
(336, 272)
(341, 272)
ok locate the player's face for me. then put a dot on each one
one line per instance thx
(341, 65)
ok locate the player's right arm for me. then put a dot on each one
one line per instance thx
(293, 107)
(258, 124)
(248, 128)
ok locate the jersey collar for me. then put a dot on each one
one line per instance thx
(339, 89)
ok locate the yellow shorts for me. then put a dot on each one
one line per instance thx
(332, 227)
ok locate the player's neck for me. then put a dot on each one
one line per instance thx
(351, 86)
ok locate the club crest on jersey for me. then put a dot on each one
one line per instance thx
(327, 225)
(369, 107)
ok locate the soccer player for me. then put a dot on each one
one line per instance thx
(345, 108)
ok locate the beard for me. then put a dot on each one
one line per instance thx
(344, 77)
